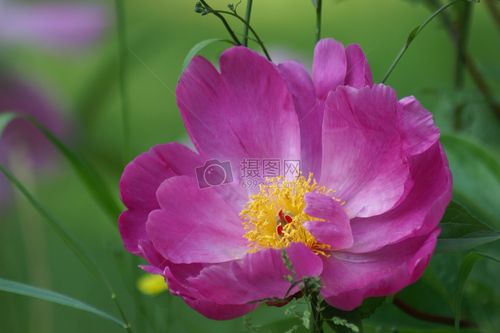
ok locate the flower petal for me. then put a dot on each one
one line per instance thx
(358, 70)
(420, 211)
(362, 157)
(329, 66)
(243, 112)
(195, 225)
(139, 183)
(310, 114)
(417, 126)
(255, 277)
(350, 278)
(219, 312)
(177, 276)
(335, 229)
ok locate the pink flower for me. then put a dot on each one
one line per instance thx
(20, 137)
(53, 25)
(363, 216)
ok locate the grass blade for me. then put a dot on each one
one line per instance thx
(67, 239)
(198, 47)
(54, 297)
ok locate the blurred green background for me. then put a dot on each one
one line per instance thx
(160, 34)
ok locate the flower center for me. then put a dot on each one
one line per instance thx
(274, 217)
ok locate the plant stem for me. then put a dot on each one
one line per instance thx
(224, 22)
(463, 33)
(409, 310)
(495, 13)
(316, 322)
(318, 19)
(412, 37)
(252, 30)
(247, 20)
(122, 72)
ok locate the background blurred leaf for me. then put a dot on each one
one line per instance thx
(51, 296)
(355, 316)
(381, 329)
(5, 119)
(465, 270)
(71, 243)
(476, 177)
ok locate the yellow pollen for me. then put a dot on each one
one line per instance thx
(274, 217)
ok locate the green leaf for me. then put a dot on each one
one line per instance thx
(88, 174)
(466, 243)
(290, 325)
(462, 232)
(457, 222)
(476, 175)
(315, 3)
(53, 297)
(198, 47)
(355, 317)
(464, 272)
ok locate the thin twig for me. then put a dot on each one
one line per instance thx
(247, 19)
(223, 20)
(409, 310)
(252, 30)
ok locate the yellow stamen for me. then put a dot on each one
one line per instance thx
(261, 214)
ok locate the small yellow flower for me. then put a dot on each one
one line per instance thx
(151, 285)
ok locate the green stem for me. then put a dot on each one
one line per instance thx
(252, 30)
(122, 72)
(224, 22)
(412, 37)
(316, 322)
(318, 20)
(247, 19)
(463, 32)
(495, 13)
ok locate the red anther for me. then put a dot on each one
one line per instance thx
(279, 230)
(288, 218)
(281, 215)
